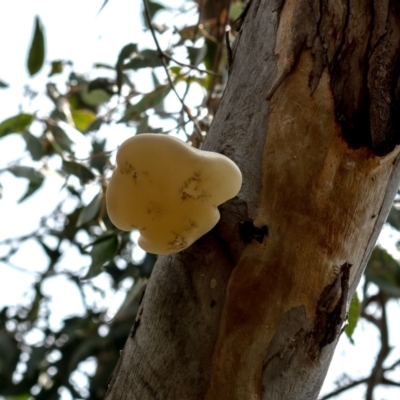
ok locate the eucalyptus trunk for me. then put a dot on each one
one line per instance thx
(311, 114)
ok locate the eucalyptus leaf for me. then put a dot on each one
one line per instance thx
(103, 250)
(94, 125)
(384, 271)
(71, 139)
(154, 7)
(84, 174)
(56, 68)
(15, 124)
(35, 179)
(196, 54)
(212, 48)
(144, 59)
(37, 49)
(148, 101)
(99, 159)
(127, 51)
(34, 146)
(89, 212)
(353, 316)
(83, 119)
(3, 85)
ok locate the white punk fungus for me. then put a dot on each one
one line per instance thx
(169, 191)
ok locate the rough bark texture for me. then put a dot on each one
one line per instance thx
(311, 114)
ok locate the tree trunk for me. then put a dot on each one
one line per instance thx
(311, 114)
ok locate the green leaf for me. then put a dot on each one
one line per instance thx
(102, 65)
(3, 85)
(104, 249)
(70, 138)
(98, 159)
(91, 211)
(62, 140)
(196, 54)
(353, 316)
(84, 174)
(56, 67)
(236, 9)
(37, 49)
(153, 8)
(96, 97)
(155, 80)
(384, 271)
(77, 79)
(176, 69)
(212, 48)
(34, 146)
(127, 52)
(70, 228)
(186, 33)
(149, 100)
(82, 119)
(144, 59)
(144, 126)
(35, 179)
(15, 124)
(21, 397)
(94, 125)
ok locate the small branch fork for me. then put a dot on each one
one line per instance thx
(377, 376)
(163, 57)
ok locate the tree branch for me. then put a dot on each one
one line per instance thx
(344, 388)
(376, 376)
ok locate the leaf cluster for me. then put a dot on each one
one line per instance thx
(74, 143)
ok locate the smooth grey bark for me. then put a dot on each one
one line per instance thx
(235, 320)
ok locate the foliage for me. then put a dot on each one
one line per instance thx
(74, 142)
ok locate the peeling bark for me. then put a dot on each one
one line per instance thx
(311, 114)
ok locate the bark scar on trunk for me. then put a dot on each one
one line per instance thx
(248, 231)
(137, 321)
(330, 312)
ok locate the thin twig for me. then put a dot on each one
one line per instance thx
(204, 71)
(13, 163)
(20, 269)
(376, 376)
(386, 381)
(183, 125)
(393, 366)
(344, 388)
(162, 57)
(100, 154)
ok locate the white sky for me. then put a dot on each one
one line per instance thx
(74, 31)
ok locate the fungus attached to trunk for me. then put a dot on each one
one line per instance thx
(169, 191)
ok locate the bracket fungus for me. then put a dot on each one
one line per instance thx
(169, 191)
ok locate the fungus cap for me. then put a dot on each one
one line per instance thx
(169, 191)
